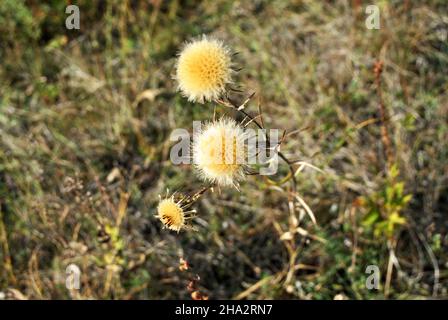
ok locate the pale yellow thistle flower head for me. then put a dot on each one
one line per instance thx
(173, 214)
(220, 152)
(203, 70)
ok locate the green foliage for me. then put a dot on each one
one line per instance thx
(384, 208)
(17, 23)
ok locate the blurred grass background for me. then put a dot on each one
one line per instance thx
(85, 119)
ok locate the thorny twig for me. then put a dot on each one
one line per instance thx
(385, 138)
(190, 199)
(240, 108)
(193, 282)
(293, 194)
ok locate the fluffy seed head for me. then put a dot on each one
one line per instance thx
(219, 152)
(203, 70)
(171, 214)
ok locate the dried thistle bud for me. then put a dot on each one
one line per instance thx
(196, 295)
(191, 286)
(219, 152)
(203, 70)
(183, 264)
(173, 213)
